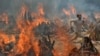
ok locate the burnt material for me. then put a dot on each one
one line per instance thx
(9, 47)
(86, 49)
(46, 46)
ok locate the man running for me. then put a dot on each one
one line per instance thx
(77, 26)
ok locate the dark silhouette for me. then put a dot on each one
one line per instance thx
(46, 46)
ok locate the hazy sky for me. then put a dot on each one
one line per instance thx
(51, 6)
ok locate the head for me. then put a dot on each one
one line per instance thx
(79, 16)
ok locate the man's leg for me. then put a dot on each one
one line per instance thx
(75, 37)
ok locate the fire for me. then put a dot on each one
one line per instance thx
(73, 10)
(6, 38)
(63, 40)
(40, 9)
(27, 38)
(70, 11)
(97, 15)
(23, 10)
(4, 18)
(26, 22)
(66, 12)
(66, 44)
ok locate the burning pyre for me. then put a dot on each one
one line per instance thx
(26, 38)
(23, 40)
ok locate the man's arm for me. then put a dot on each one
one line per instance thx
(70, 25)
(71, 22)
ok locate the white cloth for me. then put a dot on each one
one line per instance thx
(77, 25)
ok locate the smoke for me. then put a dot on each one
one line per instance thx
(52, 7)
(83, 5)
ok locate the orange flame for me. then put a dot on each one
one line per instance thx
(40, 9)
(27, 39)
(73, 10)
(97, 15)
(66, 44)
(63, 39)
(66, 12)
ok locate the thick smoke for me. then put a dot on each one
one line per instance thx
(52, 7)
(83, 5)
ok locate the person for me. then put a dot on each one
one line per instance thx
(76, 26)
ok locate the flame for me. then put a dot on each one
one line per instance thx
(66, 44)
(40, 9)
(71, 11)
(97, 15)
(26, 22)
(23, 10)
(66, 12)
(26, 37)
(4, 18)
(7, 38)
(63, 39)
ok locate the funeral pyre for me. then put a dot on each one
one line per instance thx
(33, 34)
